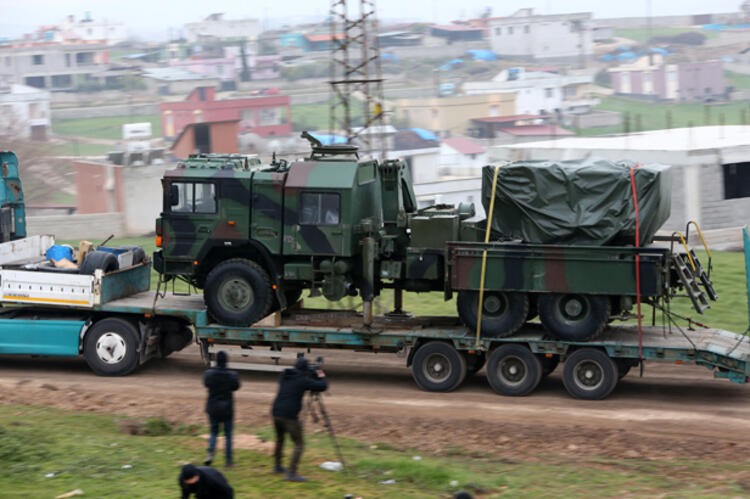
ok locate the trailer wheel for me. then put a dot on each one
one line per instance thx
(438, 367)
(513, 370)
(111, 347)
(574, 317)
(503, 313)
(474, 362)
(549, 364)
(589, 374)
(238, 292)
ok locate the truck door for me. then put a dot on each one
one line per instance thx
(268, 209)
(191, 222)
(317, 228)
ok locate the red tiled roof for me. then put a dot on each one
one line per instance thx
(537, 131)
(464, 145)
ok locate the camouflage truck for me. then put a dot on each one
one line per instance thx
(254, 237)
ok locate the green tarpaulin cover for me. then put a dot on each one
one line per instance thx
(587, 202)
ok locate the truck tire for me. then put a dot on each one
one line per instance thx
(589, 374)
(513, 370)
(98, 260)
(111, 347)
(574, 317)
(503, 313)
(238, 292)
(438, 367)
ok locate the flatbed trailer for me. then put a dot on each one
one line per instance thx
(441, 352)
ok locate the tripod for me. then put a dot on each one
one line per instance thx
(316, 400)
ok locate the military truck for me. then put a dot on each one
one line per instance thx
(253, 237)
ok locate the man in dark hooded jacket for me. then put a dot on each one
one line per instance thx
(204, 482)
(293, 384)
(221, 383)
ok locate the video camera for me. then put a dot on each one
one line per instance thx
(312, 367)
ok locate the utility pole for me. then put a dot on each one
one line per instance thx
(356, 77)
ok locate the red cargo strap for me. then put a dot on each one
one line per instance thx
(637, 260)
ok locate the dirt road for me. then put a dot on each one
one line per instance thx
(672, 412)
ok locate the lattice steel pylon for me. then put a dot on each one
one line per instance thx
(356, 78)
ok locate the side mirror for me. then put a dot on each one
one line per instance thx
(174, 195)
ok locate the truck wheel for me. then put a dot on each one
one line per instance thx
(438, 367)
(238, 292)
(111, 347)
(549, 364)
(589, 374)
(474, 362)
(98, 260)
(513, 370)
(502, 313)
(573, 317)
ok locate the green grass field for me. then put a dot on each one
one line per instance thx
(643, 115)
(107, 128)
(47, 452)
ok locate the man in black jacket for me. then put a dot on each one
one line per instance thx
(293, 384)
(221, 383)
(204, 482)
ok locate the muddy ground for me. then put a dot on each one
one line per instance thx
(673, 412)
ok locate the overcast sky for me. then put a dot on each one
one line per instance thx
(154, 18)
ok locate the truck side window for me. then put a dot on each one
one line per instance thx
(195, 198)
(319, 208)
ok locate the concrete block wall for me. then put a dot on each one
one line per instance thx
(94, 228)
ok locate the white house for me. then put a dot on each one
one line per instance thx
(216, 27)
(91, 30)
(539, 92)
(24, 111)
(542, 37)
(462, 156)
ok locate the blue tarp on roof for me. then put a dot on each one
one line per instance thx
(451, 64)
(425, 134)
(482, 55)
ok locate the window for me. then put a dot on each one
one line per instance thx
(510, 30)
(67, 60)
(736, 180)
(62, 81)
(319, 208)
(498, 31)
(37, 59)
(84, 58)
(189, 197)
(548, 92)
(527, 29)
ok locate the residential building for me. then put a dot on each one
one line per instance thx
(451, 115)
(24, 111)
(539, 92)
(462, 156)
(171, 81)
(89, 30)
(53, 66)
(652, 77)
(263, 115)
(215, 27)
(543, 37)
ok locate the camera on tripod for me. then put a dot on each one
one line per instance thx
(312, 367)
